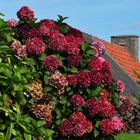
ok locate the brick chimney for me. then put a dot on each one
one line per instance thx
(128, 41)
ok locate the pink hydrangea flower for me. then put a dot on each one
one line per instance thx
(99, 45)
(121, 87)
(118, 125)
(11, 22)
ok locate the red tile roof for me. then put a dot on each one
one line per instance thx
(123, 58)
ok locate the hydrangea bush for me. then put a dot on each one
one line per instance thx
(54, 84)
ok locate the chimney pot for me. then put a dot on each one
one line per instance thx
(128, 41)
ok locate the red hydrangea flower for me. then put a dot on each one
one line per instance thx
(48, 23)
(77, 100)
(78, 130)
(74, 32)
(57, 42)
(72, 79)
(35, 46)
(87, 126)
(74, 60)
(69, 49)
(93, 107)
(106, 127)
(44, 31)
(77, 118)
(25, 13)
(83, 79)
(106, 108)
(118, 125)
(65, 128)
(74, 41)
(34, 33)
(95, 64)
(96, 78)
(51, 63)
(11, 22)
(120, 87)
(101, 107)
(106, 73)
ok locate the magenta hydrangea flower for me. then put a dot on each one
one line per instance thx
(72, 79)
(118, 125)
(83, 79)
(120, 86)
(65, 128)
(51, 63)
(74, 60)
(77, 100)
(11, 22)
(99, 45)
(78, 130)
(95, 63)
(106, 127)
(25, 13)
(35, 46)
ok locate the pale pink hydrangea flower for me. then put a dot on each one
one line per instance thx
(11, 22)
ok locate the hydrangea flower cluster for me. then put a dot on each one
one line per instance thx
(20, 50)
(25, 13)
(77, 125)
(113, 126)
(35, 46)
(77, 100)
(59, 82)
(11, 22)
(70, 85)
(51, 63)
(100, 107)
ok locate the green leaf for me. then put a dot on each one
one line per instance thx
(42, 56)
(40, 123)
(9, 132)
(27, 136)
(74, 70)
(90, 52)
(50, 132)
(2, 136)
(96, 132)
(2, 126)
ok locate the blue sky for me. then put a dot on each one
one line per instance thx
(102, 18)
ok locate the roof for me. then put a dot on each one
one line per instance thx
(122, 57)
(125, 36)
(122, 63)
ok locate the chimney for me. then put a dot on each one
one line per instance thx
(128, 41)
